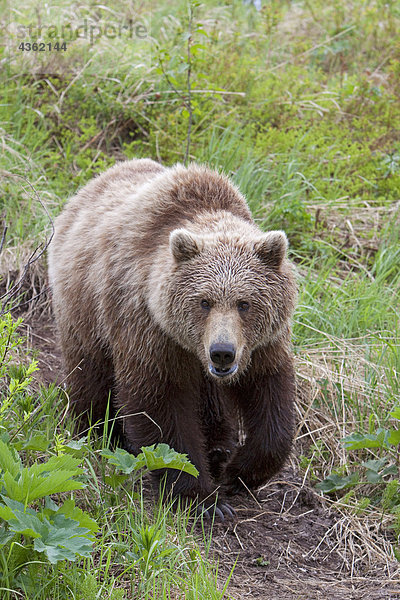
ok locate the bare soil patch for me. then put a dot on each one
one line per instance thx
(286, 543)
(291, 546)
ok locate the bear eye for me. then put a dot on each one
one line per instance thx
(243, 306)
(205, 304)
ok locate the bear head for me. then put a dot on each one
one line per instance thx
(224, 293)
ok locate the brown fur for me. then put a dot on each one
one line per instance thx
(136, 255)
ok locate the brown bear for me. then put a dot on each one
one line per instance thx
(168, 296)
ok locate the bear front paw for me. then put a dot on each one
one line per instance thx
(238, 481)
(218, 458)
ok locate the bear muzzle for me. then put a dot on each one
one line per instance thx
(222, 356)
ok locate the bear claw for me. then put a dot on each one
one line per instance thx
(219, 509)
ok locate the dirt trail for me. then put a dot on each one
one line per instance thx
(287, 543)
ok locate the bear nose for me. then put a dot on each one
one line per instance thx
(222, 354)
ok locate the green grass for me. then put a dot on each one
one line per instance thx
(299, 104)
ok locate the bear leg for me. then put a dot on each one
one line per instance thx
(266, 405)
(171, 417)
(219, 428)
(91, 381)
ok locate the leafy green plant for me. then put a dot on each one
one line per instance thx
(151, 458)
(377, 477)
(154, 457)
(9, 342)
(150, 550)
(61, 532)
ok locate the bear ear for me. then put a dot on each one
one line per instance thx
(272, 248)
(184, 244)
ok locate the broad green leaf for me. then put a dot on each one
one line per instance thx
(43, 479)
(76, 444)
(65, 462)
(14, 505)
(63, 539)
(373, 476)
(391, 470)
(9, 459)
(53, 552)
(12, 488)
(76, 448)
(336, 482)
(73, 512)
(55, 483)
(5, 536)
(6, 512)
(395, 413)
(356, 441)
(123, 460)
(59, 537)
(376, 470)
(162, 456)
(30, 486)
(197, 48)
(24, 521)
(153, 457)
(25, 524)
(375, 464)
(50, 507)
(39, 443)
(56, 553)
(394, 437)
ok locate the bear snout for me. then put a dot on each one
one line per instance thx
(222, 355)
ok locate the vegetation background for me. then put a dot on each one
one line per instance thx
(300, 103)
